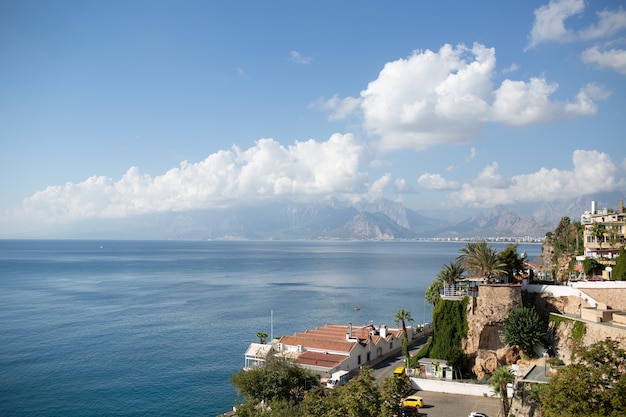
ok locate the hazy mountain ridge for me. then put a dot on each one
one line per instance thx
(334, 219)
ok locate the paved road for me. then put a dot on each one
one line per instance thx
(438, 404)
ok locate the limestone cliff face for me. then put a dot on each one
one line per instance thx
(594, 332)
(558, 265)
(485, 319)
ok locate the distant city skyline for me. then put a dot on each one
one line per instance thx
(123, 108)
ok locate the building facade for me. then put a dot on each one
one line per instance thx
(604, 231)
(334, 347)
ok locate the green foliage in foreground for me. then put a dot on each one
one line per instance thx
(278, 380)
(523, 327)
(360, 397)
(593, 385)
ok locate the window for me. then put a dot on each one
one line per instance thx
(358, 359)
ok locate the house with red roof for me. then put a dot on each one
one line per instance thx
(336, 347)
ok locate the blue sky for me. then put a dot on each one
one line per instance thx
(113, 109)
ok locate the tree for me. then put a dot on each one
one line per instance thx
(279, 379)
(523, 327)
(593, 385)
(597, 231)
(392, 390)
(432, 292)
(499, 380)
(402, 316)
(513, 263)
(262, 337)
(360, 397)
(451, 273)
(481, 260)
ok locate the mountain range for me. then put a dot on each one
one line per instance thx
(338, 220)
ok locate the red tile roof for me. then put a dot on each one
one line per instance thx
(326, 360)
(332, 337)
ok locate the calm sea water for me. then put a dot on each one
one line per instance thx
(125, 328)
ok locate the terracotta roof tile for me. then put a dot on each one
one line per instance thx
(326, 360)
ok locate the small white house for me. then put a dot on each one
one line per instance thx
(435, 368)
(256, 355)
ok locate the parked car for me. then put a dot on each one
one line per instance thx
(399, 371)
(475, 414)
(412, 402)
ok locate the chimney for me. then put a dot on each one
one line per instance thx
(349, 334)
(620, 206)
(383, 331)
(593, 207)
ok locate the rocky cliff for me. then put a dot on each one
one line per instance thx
(485, 319)
(559, 264)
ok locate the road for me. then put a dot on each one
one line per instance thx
(439, 404)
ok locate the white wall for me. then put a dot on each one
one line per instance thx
(461, 388)
(562, 291)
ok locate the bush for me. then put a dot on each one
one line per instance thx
(524, 328)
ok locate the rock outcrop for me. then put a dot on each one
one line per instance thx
(485, 320)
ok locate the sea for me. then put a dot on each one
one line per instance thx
(157, 328)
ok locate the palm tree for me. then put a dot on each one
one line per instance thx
(597, 231)
(481, 260)
(402, 316)
(450, 274)
(262, 337)
(432, 292)
(513, 263)
(499, 380)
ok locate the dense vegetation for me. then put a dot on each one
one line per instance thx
(619, 270)
(593, 385)
(360, 397)
(449, 328)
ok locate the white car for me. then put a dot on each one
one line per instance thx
(475, 414)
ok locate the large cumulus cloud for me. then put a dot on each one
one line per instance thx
(267, 170)
(592, 172)
(447, 97)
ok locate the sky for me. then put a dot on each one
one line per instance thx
(113, 109)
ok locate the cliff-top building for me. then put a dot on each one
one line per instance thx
(604, 231)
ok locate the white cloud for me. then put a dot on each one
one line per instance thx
(612, 58)
(512, 68)
(297, 58)
(525, 103)
(609, 23)
(550, 25)
(593, 172)
(304, 169)
(447, 97)
(338, 108)
(550, 19)
(436, 182)
(472, 155)
(402, 186)
(430, 98)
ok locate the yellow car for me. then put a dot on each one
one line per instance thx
(399, 371)
(412, 402)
